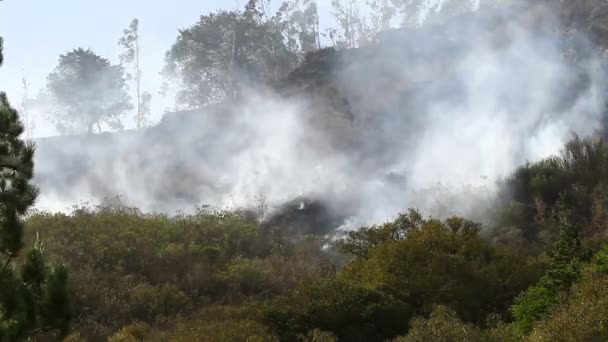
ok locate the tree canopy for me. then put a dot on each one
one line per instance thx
(87, 90)
(225, 52)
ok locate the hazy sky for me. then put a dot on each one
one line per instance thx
(36, 32)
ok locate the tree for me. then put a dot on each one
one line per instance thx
(225, 52)
(25, 103)
(299, 23)
(358, 27)
(348, 311)
(89, 90)
(456, 7)
(414, 13)
(34, 300)
(352, 26)
(431, 262)
(130, 56)
(411, 11)
(145, 109)
(536, 194)
(358, 243)
(581, 318)
(537, 303)
(380, 16)
(442, 325)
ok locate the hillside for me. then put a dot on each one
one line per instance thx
(441, 183)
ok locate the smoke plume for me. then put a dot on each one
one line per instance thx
(427, 118)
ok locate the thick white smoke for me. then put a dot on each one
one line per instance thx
(438, 115)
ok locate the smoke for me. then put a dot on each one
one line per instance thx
(428, 118)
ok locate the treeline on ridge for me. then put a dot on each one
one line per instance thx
(224, 53)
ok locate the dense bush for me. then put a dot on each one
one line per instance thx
(445, 325)
(194, 331)
(348, 311)
(442, 262)
(583, 318)
(583, 315)
(536, 303)
(131, 267)
(572, 184)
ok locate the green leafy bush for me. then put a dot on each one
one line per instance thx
(348, 311)
(444, 263)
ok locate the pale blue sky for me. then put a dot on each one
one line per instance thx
(37, 31)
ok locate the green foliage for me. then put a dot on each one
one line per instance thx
(569, 186)
(599, 263)
(536, 303)
(34, 300)
(247, 276)
(238, 330)
(235, 330)
(358, 243)
(348, 311)
(582, 312)
(442, 325)
(318, 335)
(225, 51)
(532, 306)
(582, 318)
(445, 263)
(158, 302)
(229, 330)
(132, 333)
(131, 267)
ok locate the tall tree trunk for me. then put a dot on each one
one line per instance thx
(138, 81)
(90, 127)
(318, 32)
(232, 72)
